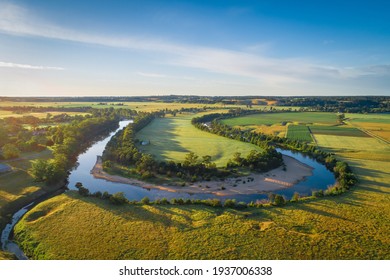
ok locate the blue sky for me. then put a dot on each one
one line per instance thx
(62, 47)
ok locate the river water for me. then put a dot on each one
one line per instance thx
(321, 179)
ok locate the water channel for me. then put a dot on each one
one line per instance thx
(320, 179)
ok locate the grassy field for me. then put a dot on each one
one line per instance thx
(273, 118)
(299, 132)
(338, 130)
(377, 124)
(174, 137)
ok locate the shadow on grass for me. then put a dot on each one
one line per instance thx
(162, 138)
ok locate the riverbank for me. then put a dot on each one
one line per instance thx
(276, 179)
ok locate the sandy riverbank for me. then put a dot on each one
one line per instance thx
(273, 180)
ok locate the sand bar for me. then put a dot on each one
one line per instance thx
(273, 180)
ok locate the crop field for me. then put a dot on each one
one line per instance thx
(338, 130)
(273, 118)
(174, 137)
(299, 132)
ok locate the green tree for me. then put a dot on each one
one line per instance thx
(38, 170)
(10, 151)
(191, 159)
(118, 198)
(279, 200)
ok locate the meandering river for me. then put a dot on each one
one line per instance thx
(321, 179)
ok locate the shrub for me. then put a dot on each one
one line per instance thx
(279, 200)
(319, 193)
(229, 203)
(145, 200)
(83, 191)
(118, 198)
(295, 197)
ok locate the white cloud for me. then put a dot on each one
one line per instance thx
(27, 66)
(251, 62)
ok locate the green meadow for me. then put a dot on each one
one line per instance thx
(172, 138)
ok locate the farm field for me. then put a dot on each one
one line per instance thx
(338, 130)
(273, 118)
(299, 132)
(173, 137)
(377, 124)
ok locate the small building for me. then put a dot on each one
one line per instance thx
(145, 142)
(5, 168)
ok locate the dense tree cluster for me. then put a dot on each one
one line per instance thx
(67, 142)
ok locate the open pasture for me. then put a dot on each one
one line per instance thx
(273, 118)
(376, 124)
(174, 137)
(299, 132)
(338, 130)
(355, 147)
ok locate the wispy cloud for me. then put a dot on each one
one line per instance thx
(249, 62)
(28, 66)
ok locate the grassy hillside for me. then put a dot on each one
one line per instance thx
(172, 138)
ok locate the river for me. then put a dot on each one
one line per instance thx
(321, 179)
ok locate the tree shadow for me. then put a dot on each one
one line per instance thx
(160, 147)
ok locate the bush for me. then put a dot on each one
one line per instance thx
(83, 191)
(279, 200)
(118, 198)
(241, 205)
(145, 200)
(229, 203)
(319, 193)
(106, 195)
(295, 197)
